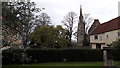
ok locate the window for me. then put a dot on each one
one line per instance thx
(95, 37)
(106, 36)
(100, 37)
(81, 27)
(118, 34)
(98, 46)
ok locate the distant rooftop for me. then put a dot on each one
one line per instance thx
(111, 25)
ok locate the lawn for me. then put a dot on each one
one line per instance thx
(69, 64)
(117, 63)
(61, 65)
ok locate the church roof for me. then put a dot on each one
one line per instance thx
(111, 25)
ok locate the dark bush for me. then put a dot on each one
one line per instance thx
(14, 56)
(56, 55)
(116, 54)
(82, 54)
(44, 55)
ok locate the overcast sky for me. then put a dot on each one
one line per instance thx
(104, 10)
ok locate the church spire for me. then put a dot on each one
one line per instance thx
(81, 16)
(80, 10)
(81, 29)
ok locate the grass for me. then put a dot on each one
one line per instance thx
(61, 65)
(117, 63)
(69, 64)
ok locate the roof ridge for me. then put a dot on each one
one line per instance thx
(110, 20)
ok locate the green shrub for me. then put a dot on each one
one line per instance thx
(56, 55)
(14, 56)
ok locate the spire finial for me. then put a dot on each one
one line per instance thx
(80, 10)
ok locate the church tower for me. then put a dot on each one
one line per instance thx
(81, 29)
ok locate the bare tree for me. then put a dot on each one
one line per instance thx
(43, 19)
(88, 20)
(69, 21)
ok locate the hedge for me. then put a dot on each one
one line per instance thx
(65, 55)
(56, 55)
(11, 56)
(116, 54)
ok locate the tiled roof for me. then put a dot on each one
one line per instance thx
(111, 25)
(93, 26)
